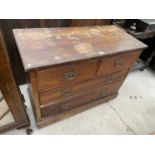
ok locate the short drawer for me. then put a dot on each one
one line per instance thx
(64, 75)
(111, 78)
(75, 89)
(55, 108)
(117, 63)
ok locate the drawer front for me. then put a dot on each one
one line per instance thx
(64, 92)
(64, 75)
(110, 78)
(90, 96)
(73, 90)
(117, 63)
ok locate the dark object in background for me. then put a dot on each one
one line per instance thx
(87, 22)
(142, 25)
(148, 55)
(11, 93)
(144, 30)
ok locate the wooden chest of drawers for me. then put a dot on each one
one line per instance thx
(72, 69)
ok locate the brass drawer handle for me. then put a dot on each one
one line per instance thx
(70, 75)
(109, 79)
(104, 92)
(119, 63)
(67, 92)
(66, 106)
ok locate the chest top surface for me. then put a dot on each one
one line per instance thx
(40, 47)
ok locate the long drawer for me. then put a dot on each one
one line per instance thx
(59, 107)
(117, 63)
(63, 75)
(81, 87)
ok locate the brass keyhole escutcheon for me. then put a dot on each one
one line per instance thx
(110, 79)
(70, 75)
(104, 92)
(67, 92)
(119, 62)
(66, 106)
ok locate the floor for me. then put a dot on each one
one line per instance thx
(132, 112)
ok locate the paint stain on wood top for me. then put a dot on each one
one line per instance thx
(40, 47)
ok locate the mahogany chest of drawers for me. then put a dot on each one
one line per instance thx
(72, 69)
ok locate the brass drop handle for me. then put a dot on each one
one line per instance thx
(66, 106)
(70, 75)
(110, 79)
(119, 62)
(104, 92)
(67, 92)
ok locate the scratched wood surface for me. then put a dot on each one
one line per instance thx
(41, 47)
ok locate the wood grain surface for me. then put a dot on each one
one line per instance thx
(41, 47)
